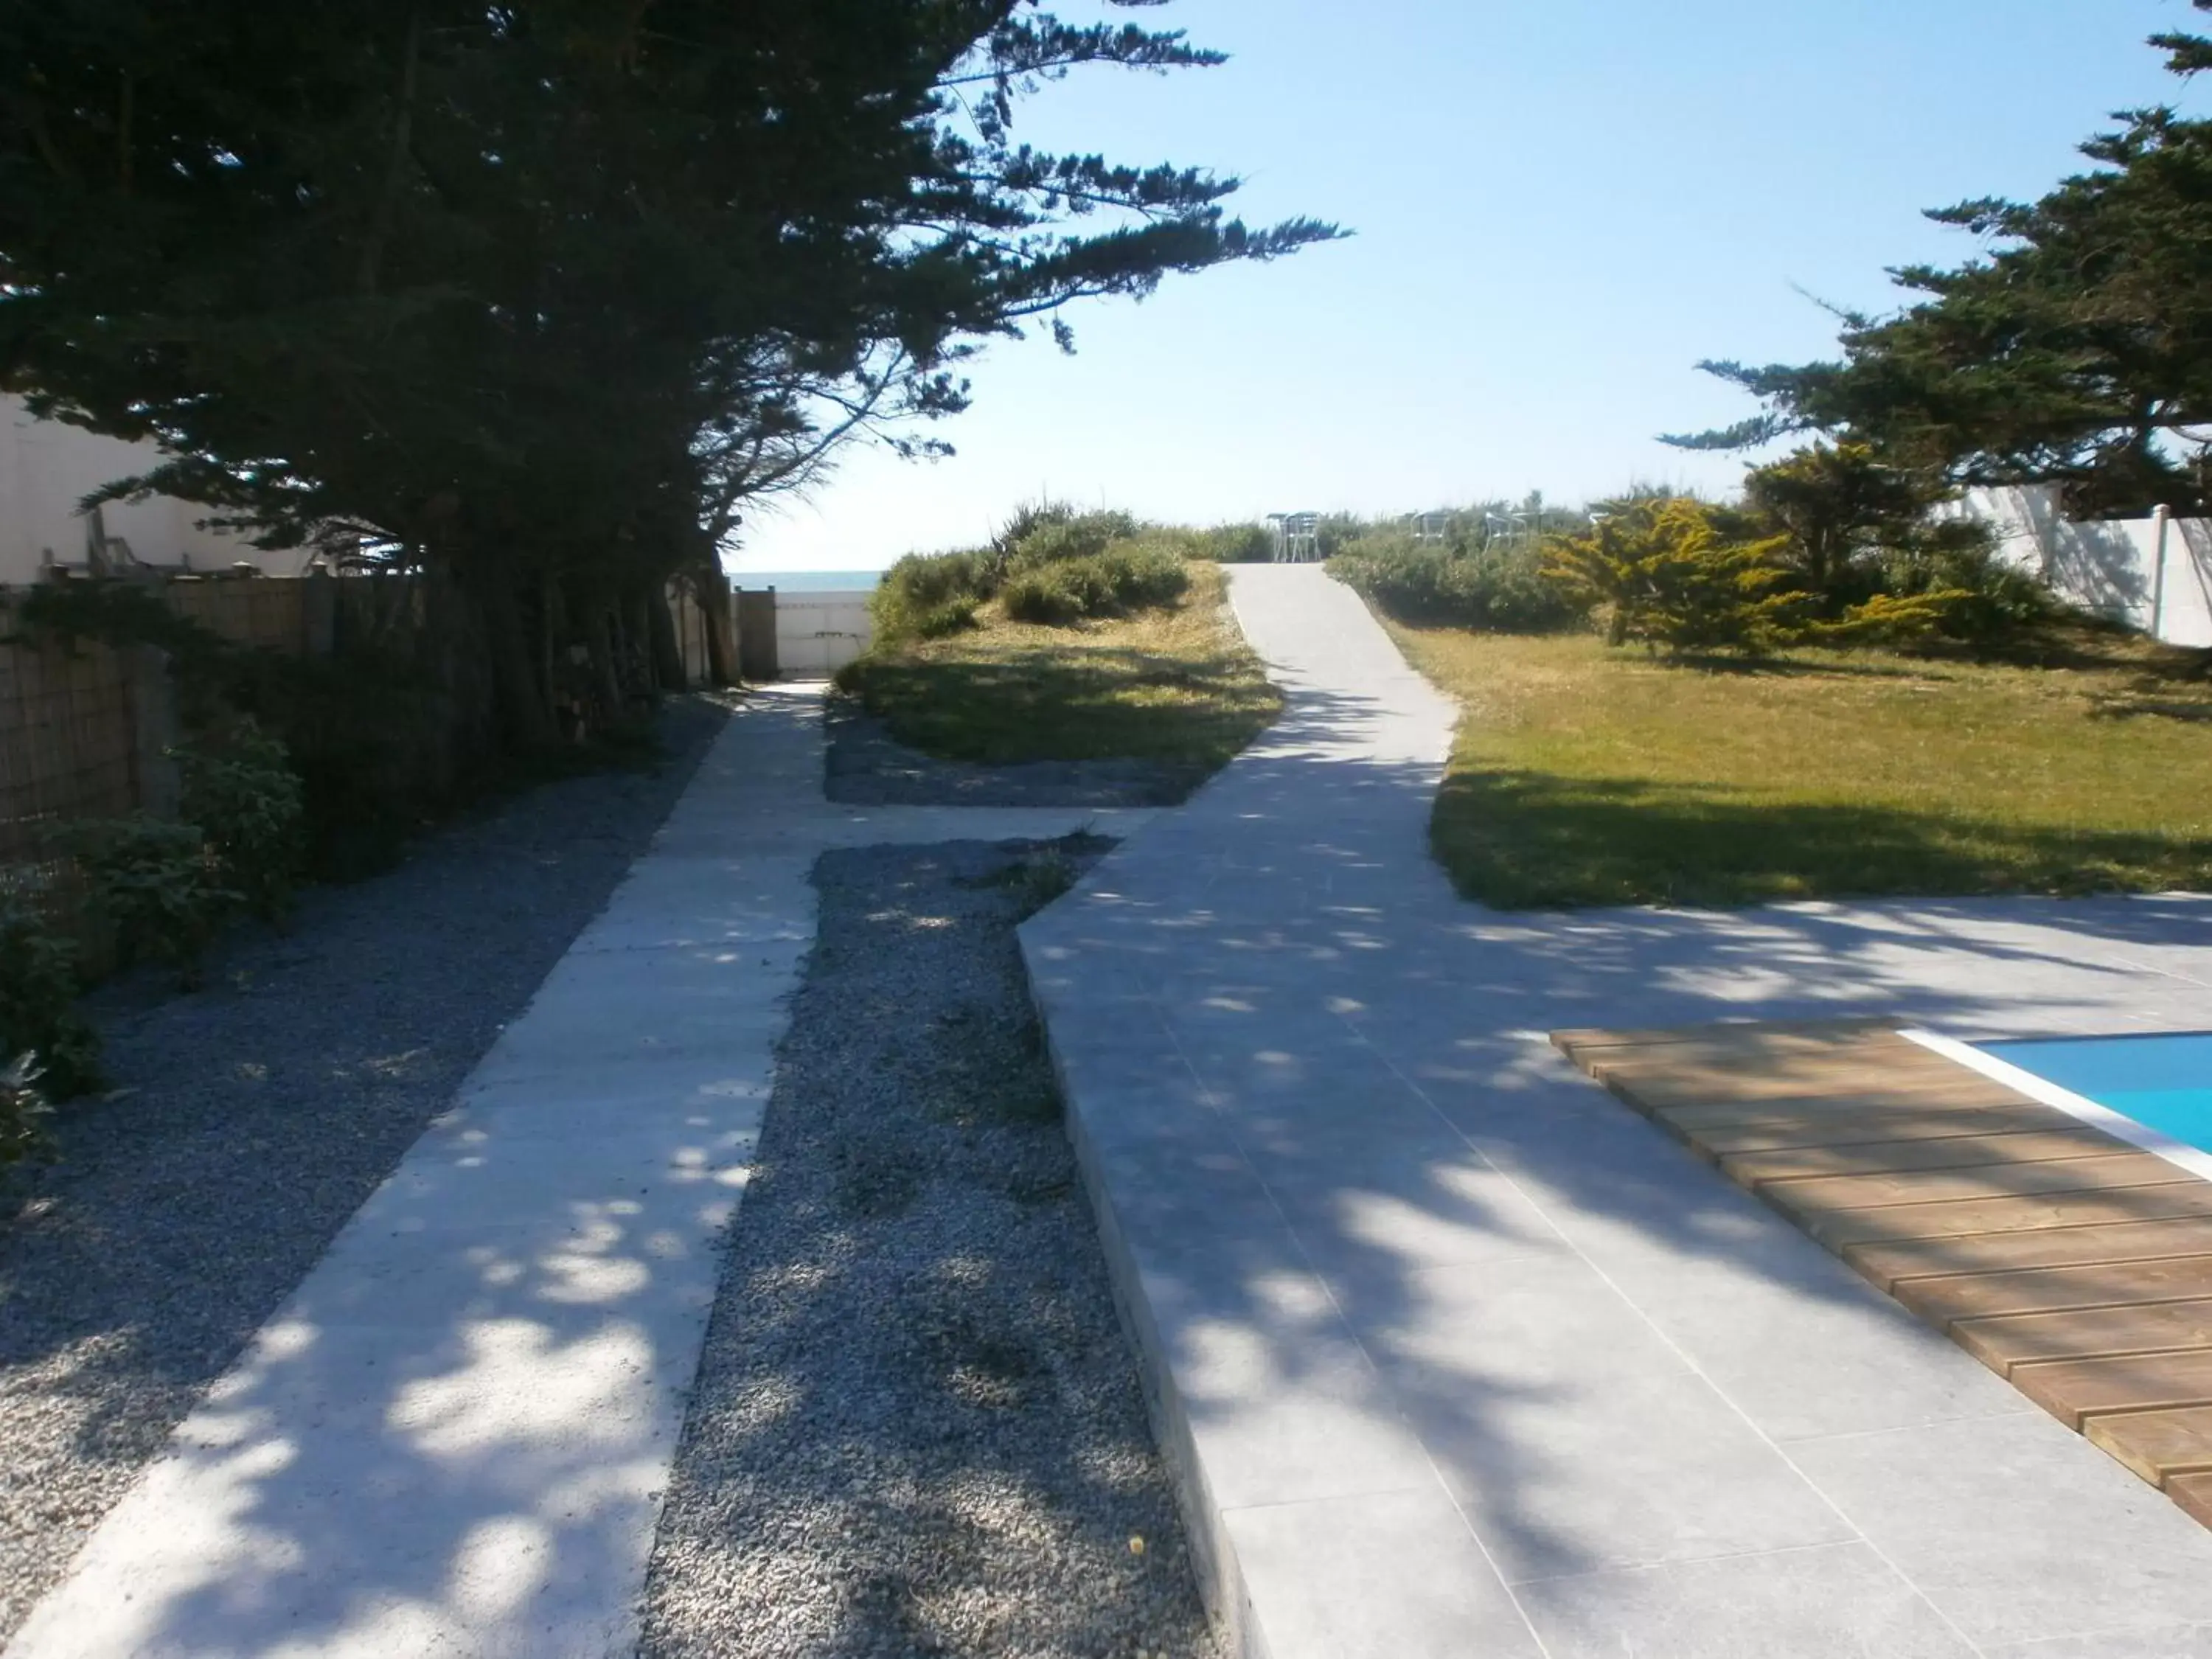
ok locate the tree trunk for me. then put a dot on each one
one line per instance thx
(716, 600)
(526, 711)
(605, 638)
(668, 673)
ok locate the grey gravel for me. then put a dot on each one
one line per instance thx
(917, 1428)
(252, 1118)
(868, 767)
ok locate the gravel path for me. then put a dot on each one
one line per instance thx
(868, 767)
(917, 1428)
(257, 1116)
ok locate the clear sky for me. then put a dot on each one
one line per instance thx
(1560, 206)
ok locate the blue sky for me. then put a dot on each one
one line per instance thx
(1560, 206)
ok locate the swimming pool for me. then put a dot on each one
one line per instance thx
(2155, 1089)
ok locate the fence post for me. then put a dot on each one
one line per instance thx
(2163, 519)
(319, 614)
(151, 696)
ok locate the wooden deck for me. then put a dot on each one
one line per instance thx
(2070, 1262)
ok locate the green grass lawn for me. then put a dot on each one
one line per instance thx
(1587, 776)
(1177, 685)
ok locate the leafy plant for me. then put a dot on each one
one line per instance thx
(1841, 507)
(1039, 878)
(1989, 603)
(927, 595)
(23, 1111)
(1053, 597)
(1234, 544)
(1123, 576)
(1665, 571)
(361, 728)
(38, 1001)
(1886, 619)
(241, 792)
(1056, 540)
(1498, 587)
(158, 884)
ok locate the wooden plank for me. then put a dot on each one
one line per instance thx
(2057, 1290)
(1844, 1079)
(2184, 1195)
(2194, 1493)
(1772, 1132)
(2075, 1265)
(2074, 1391)
(1891, 1157)
(1892, 1265)
(1973, 1093)
(1823, 1195)
(1780, 1035)
(2158, 1445)
(2086, 1333)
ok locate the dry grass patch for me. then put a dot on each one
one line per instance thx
(1587, 776)
(1177, 685)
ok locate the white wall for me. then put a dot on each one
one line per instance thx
(2108, 565)
(47, 468)
(818, 634)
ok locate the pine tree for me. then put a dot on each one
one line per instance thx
(2079, 352)
(536, 296)
(1667, 571)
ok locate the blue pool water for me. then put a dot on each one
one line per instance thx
(2163, 1081)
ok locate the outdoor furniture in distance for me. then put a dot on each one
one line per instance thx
(1297, 537)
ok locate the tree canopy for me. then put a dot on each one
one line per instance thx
(537, 295)
(2078, 350)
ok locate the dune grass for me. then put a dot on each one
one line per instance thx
(1586, 776)
(1175, 685)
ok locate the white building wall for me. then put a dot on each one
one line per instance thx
(2109, 566)
(47, 468)
(818, 634)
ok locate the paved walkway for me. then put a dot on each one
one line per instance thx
(1458, 1356)
(453, 1438)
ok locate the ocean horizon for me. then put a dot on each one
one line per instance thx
(808, 581)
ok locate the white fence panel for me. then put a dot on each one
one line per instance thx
(2110, 566)
(818, 634)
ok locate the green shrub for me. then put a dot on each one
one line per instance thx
(1046, 598)
(1234, 544)
(1670, 572)
(1127, 575)
(23, 1110)
(157, 884)
(1142, 574)
(1992, 601)
(367, 730)
(1028, 518)
(1500, 587)
(926, 596)
(38, 1002)
(240, 790)
(1076, 535)
(1040, 878)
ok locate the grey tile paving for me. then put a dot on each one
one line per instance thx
(452, 1439)
(1570, 1432)
(2017, 1529)
(1668, 1417)
(2171, 1641)
(1839, 1602)
(1310, 1573)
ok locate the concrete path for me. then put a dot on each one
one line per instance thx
(453, 1438)
(1454, 1355)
